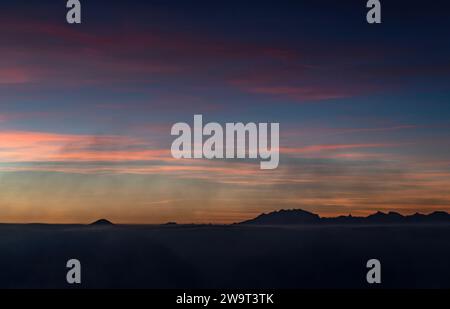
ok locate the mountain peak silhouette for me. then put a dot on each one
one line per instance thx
(102, 222)
(290, 216)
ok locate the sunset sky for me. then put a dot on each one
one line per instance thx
(86, 110)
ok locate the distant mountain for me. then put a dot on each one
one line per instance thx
(299, 217)
(381, 217)
(295, 216)
(170, 223)
(102, 222)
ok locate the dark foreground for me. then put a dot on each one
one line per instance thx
(412, 256)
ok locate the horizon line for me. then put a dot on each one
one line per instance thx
(173, 222)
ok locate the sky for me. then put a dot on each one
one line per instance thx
(86, 110)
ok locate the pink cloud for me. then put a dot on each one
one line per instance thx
(301, 93)
(14, 76)
(332, 147)
(19, 146)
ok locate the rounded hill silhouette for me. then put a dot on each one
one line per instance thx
(102, 222)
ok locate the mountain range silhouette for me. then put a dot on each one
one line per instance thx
(299, 216)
